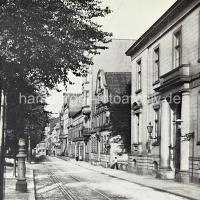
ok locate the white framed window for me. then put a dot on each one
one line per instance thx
(156, 64)
(139, 75)
(157, 123)
(177, 48)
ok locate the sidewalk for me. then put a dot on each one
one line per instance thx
(10, 182)
(190, 191)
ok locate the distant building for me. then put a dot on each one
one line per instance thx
(72, 106)
(52, 136)
(166, 95)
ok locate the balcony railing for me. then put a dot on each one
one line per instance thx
(175, 77)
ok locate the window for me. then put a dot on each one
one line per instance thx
(94, 145)
(156, 121)
(138, 78)
(198, 118)
(177, 48)
(87, 98)
(102, 144)
(138, 127)
(199, 39)
(156, 64)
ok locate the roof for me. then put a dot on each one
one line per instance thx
(75, 114)
(118, 83)
(72, 113)
(175, 10)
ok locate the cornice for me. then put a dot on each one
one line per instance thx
(160, 24)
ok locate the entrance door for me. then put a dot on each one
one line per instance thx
(177, 141)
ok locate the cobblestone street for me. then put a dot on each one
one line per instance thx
(59, 179)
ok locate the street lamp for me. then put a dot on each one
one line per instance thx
(150, 130)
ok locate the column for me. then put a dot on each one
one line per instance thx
(185, 128)
(89, 149)
(135, 129)
(79, 150)
(75, 153)
(165, 135)
(98, 149)
(84, 146)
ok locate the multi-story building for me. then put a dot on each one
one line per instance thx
(63, 137)
(72, 105)
(112, 59)
(82, 123)
(111, 133)
(51, 136)
(166, 89)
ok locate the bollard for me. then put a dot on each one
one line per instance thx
(21, 184)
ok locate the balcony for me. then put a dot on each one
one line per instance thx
(174, 78)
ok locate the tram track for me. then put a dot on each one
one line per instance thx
(68, 193)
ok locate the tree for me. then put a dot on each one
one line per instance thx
(26, 115)
(41, 41)
(46, 39)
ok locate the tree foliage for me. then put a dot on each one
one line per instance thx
(41, 41)
(26, 115)
(46, 39)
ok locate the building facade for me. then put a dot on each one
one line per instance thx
(52, 136)
(74, 121)
(110, 135)
(85, 122)
(166, 95)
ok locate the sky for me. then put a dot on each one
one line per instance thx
(129, 20)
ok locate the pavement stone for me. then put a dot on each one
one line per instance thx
(10, 183)
(190, 191)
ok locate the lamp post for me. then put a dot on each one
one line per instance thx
(29, 149)
(150, 130)
(21, 184)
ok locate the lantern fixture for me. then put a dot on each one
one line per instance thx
(150, 129)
